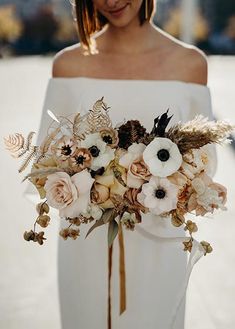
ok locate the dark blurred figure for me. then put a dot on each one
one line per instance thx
(38, 33)
(223, 42)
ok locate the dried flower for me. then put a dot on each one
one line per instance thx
(109, 136)
(129, 220)
(64, 147)
(206, 195)
(188, 245)
(191, 227)
(75, 221)
(42, 208)
(39, 181)
(109, 181)
(35, 237)
(132, 203)
(39, 237)
(206, 245)
(81, 159)
(162, 157)
(177, 219)
(43, 220)
(28, 236)
(69, 233)
(129, 133)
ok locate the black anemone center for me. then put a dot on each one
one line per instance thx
(66, 150)
(94, 151)
(163, 155)
(160, 193)
(107, 139)
(80, 159)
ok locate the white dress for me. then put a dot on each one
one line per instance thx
(156, 273)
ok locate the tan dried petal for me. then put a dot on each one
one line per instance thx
(43, 220)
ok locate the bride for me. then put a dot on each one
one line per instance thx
(141, 71)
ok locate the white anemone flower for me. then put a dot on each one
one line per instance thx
(159, 195)
(101, 153)
(162, 157)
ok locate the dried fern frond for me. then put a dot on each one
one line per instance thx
(32, 154)
(98, 117)
(14, 143)
(18, 145)
(199, 132)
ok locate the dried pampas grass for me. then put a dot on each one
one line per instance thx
(199, 132)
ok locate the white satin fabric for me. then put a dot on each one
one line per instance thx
(157, 269)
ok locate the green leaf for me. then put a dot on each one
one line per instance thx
(108, 215)
(98, 223)
(112, 231)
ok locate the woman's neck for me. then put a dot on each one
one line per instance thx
(131, 39)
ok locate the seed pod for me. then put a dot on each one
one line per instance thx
(42, 208)
(43, 220)
(28, 236)
(206, 245)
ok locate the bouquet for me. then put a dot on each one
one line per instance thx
(97, 174)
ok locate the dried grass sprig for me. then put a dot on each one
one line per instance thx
(32, 154)
(199, 132)
(42, 172)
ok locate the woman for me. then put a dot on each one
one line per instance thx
(141, 71)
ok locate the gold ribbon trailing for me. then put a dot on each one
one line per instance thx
(122, 271)
(122, 276)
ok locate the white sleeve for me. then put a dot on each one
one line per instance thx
(200, 103)
(59, 99)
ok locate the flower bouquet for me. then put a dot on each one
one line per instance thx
(97, 174)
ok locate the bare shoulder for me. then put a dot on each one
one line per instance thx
(66, 62)
(196, 65)
(190, 62)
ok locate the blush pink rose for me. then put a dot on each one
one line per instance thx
(70, 195)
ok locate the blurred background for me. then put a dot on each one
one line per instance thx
(31, 32)
(45, 26)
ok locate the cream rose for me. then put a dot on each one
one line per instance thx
(137, 171)
(71, 195)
